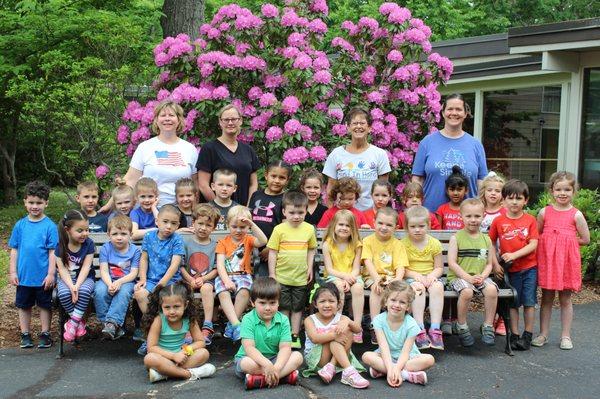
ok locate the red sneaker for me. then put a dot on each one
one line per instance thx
(291, 378)
(499, 327)
(255, 381)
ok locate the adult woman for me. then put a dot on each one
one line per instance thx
(359, 159)
(165, 158)
(226, 152)
(442, 149)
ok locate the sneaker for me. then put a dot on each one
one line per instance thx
(255, 381)
(514, 338)
(228, 333)
(357, 338)
(26, 341)
(120, 332)
(236, 333)
(109, 331)
(206, 370)
(487, 335)
(352, 377)
(138, 335)
(422, 340)
(499, 326)
(296, 344)
(70, 331)
(143, 349)
(45, 340)
(524, 343)
(81, 330)
(566, 343)
(291, 378)
(155, 376)
(326, 373)
(417, 377)
(436, 338)
(465, 337)
(208, 332)
(373, 337)
(446, 327)
(374, 373)
(539, 341)
(218, 331)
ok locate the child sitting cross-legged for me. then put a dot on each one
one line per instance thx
(265, 357)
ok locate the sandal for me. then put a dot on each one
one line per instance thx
(566, 343)
(539, 341)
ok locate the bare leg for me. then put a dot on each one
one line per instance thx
(141, 296)
(436, 301)
(464, 298)
(340, 286)
(514, 321)
(296, 320)
(418, 308)
(546, 311)
(529, 316)
(228, 309)
(25, 320)
(241, 302)
(198, 358)
(46, 319)
(165, 366)
(566, 312)
(490, 301)
(251, 367)
(419, 363)
(326, 356)
(358, 301)
(374, 304)
(374, 359)
(208, 301)
(340, 352)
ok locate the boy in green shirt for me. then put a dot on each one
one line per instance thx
(265, 357)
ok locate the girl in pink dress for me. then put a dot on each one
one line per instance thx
(562, 230)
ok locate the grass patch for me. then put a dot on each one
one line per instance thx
(4, 257)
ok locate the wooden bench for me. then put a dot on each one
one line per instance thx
(506, 296)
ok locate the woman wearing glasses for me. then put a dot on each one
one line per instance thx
(358, 159)
(226, 152)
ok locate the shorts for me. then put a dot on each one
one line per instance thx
(241, 281)
(28, 296)
(333, 279)
(459, 284)
(237, 368)
(525, 283)
(411, 355)
(292, 298)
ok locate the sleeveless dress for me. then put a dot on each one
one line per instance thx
(559, 260)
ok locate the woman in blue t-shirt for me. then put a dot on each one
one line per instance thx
(442, 149)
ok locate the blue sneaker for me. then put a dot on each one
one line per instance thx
(228, 331)
(236, 333)
(143, 350)
(138, 335)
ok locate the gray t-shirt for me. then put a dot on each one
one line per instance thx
(199, 258)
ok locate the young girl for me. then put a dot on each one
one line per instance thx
(341, 255)
(457, 187)
(381, 193)
(344, 193)
(329, 339)
(562, 230)
(311, 184)
(397, 356)
(171, 315)
(74, 257)
(123, 199)
(186, 195)
(412, 195)
(425, 267)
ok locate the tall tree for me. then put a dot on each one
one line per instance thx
(182, 16)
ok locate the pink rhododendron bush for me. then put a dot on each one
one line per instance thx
(292, 87)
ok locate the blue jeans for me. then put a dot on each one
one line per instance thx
(112, 308)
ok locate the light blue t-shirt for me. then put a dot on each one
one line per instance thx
(395, 339)
(120, 264)
(144, 220)
(435, 158)
(160, 252)
(33, 240)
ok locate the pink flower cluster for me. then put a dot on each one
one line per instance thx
(172, 47)
(295, 156)
(102, 171)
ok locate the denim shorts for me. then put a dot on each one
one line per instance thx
(525, 283)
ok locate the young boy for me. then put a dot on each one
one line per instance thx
(412, 195)
(123, 198)
(265, 357)
(518, 236)
(224, 185)
(199, 271)
(119, 263)
(384, 258)
(87, 197)
(32, 263)
(291, 255)
(234, 266)
(144, 216)
(162, 252)
(470, 255)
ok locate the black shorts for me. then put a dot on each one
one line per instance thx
(28, 296)
(293, 298)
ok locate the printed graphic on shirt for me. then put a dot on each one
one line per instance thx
(452, 221)
(385, 258)
(118, 270)
(233, 264)
(481, 254)
(199, 263)
(359, 171)
(262, 213)
(169, 158)
(511, 232)
(452, 157)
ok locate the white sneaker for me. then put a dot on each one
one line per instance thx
(155, 376)
(206, 370)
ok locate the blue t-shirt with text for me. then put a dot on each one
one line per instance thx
(160, 252)
(120, 264)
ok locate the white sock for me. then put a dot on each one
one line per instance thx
(404, 374)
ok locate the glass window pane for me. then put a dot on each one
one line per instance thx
(590, 131)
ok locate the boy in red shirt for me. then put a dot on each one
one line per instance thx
(517, 234)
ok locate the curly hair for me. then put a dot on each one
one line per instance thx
(179, 288)
(345, 185)
(37, 189)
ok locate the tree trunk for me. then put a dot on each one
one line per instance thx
(8, 150)
(182, 16)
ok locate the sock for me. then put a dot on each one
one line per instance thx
(463, 326)
(434, 326)
(488, 325)
(348, 369)
(207, 324)
(404, 374)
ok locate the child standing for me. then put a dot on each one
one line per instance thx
(517, 234)
(397, 357)
(329, 340)
(412, 195)
(171, 315)
(200, 271)
(291, 256)
(123, 200)
(265, 206)
(224, 185)
(162, 253)
(344, 194)
(425, 267)
(32, 263)
(381, 193)
(470, 255)
(144, 216)
(186, 195)
(311, 184)
(342, 251)
(119, 263)
(384, 258)
(265, 357)
(87, 197)
(75, 285)
(563, 229)
(234, 266)
(457, 187)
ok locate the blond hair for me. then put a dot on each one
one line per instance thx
(491, 177)
(87, 185)
(120, 222)
(206, 210)
(398, 286)
(471, 202)
(387, 211)
(563, 175)
(173, 106)
(146, 183)
(416, 212)
(238, 211)
(348, 217)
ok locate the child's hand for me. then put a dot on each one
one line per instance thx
(508, 257)
(230, 286)
(264, 254)
(394, 377)
(309, 277)
(48, 282)
(179, 358)
(198, 281)
(342, 326)
(377, 286)
(499, 272)
(13, 279)
(350, 280)
(418, 287)
(244, 220)
(74, 293)
(139, 285)
(477, 280)
(271, 376)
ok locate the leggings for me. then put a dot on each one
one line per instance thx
(86, 292)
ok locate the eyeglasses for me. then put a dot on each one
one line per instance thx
(362, 123)
(227, 121)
